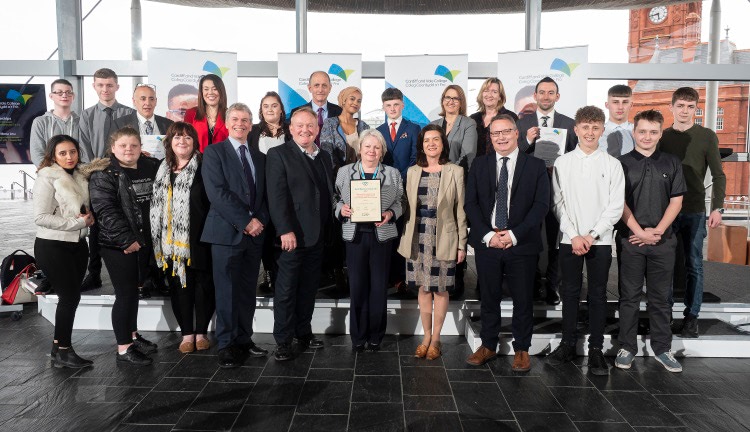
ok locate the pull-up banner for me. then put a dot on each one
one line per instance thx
(20, 104)
(422, 79)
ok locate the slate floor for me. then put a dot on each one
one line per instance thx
(334, 390)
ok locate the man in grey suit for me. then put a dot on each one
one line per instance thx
(546, 94)
(234, 175)
(144, 119)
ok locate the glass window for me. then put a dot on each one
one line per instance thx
(699, 121)
(719, 111)
(699, 112)
(720, 123)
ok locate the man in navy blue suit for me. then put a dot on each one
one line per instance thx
(319, 86)
(507, 197)
(234, 175)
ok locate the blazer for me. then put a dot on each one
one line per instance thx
(227, 190)
(401, 153)
(293, 198)
(333, 109)
(462, 141)
(451, 219)
(560, 121)
(333, 140)
(391, 192)
(201, 126)
(529, 201)
(131, 120)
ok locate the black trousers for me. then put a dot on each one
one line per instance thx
(598, 259)
(398, 263)
(369, 262)
(270, 252)
(235, 274)
(194, 302)
(294, 293)
(64, 264)
(551, 229)
(125, 270)
(657, 264)
(493, 267)
(95, 258)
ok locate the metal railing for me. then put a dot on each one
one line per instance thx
(24, 186)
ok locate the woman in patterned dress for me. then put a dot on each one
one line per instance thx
(435, 232)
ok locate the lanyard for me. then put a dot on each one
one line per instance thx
(362, 172)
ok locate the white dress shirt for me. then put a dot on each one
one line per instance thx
(315, 108)
(142, 124)
(550, 120)
(625, 129)
(398, 121)
(511, 166)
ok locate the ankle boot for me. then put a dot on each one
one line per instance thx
(67, 357)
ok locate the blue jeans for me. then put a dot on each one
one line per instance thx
(691, 229)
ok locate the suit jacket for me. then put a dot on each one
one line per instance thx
(462, 141)
(402, 153)
(293, 198)
(333, 109)
(451, 219)
(529, 201)
(560, 121)
(131, 120)
(201, 126)
(227, 190)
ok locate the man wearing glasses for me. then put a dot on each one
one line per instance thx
(60, 120)
(507, 197)
(144, 119)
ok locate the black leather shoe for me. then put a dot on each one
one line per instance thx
(358, 348)
(91, 282)
(143, 345)
(597, 363)
(44, 287)
(690, 327)
(134, 356)
(552, 299)
(562, 354)
(310, 342)
(283, 352)
(253, 350)
(228, 358)
(67, 358)
(373, 347)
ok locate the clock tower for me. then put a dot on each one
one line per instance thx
(665, 26)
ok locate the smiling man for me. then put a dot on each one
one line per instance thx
(319, 86)
(144, 119)
(617, 138)
(60, 120)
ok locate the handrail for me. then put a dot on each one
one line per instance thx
(25, 186)
(26, 175)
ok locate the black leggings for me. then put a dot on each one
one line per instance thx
(197, 299)
(124, 270)
(64, 264)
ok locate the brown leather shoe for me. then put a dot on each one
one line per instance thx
(433, 352)
(521, 362)
(202, 344)
(187, 347)
(481, 356)
(421, 351)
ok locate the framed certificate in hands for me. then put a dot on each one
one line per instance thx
(365, 201)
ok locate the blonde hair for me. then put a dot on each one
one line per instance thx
(485, 85)
(375, 134)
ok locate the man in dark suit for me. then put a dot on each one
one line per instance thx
(319, 86)
(301, 200)
(507, 197)
(234, 175)
(144, 119)
(546, 94)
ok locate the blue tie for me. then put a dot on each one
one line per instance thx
(248, 174)
(501, 197)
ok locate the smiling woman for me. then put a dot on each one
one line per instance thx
(208, 117)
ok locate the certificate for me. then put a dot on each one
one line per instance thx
(365, 200)
(550, 145)
(153, 144)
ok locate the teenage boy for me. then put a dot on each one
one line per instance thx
(588, 189)
(698, 148)
(654, 186)
(617, 138)
(60, 120)
(400, 134)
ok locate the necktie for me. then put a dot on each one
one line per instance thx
(544, 121)
(107, 124)
(501, 197)
(149, 127)
(248, 174)
(320, 126)
(393, 131)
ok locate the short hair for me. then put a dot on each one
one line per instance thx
(345, 93)
(367, 133)
(421, 156)
(303, 109)
(589, 114)
(319, 72)
(485, 85)
(391, 93)
(61, 81)
(126, 131)
(685, 93)
(620, 90)
(105, 73)
(503, 117)
(181, 89)
(652, 116)
(461, 97)
(49, 151)
(239, 106)
(200, 112)
(547, 80)
(263, 125)
(175, 129)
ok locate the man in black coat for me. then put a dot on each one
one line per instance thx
(300, 199)
(144, 119)
(319, 86)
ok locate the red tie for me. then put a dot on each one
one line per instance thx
(393, 131)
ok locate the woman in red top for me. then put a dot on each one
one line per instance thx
(208, 117)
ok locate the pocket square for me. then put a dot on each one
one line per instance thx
(404, 135)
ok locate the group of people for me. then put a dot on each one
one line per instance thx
(230, 194)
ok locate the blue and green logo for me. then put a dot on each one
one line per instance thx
(561, 65)
(18, 97)
(215, 69)
(446, 73)
(340, 72)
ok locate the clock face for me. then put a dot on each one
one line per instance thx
(658, 14)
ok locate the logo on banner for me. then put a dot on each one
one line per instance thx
(215, 69)
(446, 73)
(340, 72)
(561, 65)
(14, 95)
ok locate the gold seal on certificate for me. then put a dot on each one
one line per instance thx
(365, 196)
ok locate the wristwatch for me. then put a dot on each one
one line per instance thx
(720, 210)
(594, 235)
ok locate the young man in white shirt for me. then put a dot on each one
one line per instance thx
(617, 138)
(588, 189)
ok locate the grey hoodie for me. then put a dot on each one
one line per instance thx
(45, 127)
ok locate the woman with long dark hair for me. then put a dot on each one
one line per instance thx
(208, 117)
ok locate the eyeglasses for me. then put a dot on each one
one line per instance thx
(151, 86)
(448, 99)
(63, 93)
(504, 132)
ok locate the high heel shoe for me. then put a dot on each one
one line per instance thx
(433, 352)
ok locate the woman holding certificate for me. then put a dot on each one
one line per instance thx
(369, 202)
(435, 232)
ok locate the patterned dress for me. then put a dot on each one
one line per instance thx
(427, 271)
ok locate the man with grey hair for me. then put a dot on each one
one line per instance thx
(234, 178)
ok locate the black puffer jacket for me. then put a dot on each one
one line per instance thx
(118, 216)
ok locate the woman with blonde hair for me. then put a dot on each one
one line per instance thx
(491, 102)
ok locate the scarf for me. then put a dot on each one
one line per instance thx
(170, 218)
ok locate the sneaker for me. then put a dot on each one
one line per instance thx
(624, 359)
(669, 362)
(690, 327)
(597, 363)
(143, 345)
(562, 354)
(91, 282)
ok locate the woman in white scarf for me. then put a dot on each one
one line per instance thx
(178, 212)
